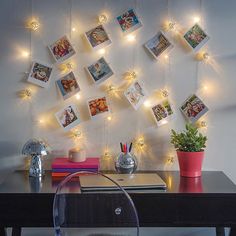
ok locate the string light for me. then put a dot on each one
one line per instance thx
(66, 66)
(73, 29)
(172, 26)
(102, 19)
(102, 51)
(26, 94)
(107, 155)
(25, 54)
(164, 93)
(205, 57)
(34, 25)
(130, 75)
(166, 56)
(76, 134)
(78, 96)
(140, 143)
(202, 124)
(111, 90)
(170, 160)
(196, 19)
(147, 104)
(109, 118)
(131, 38)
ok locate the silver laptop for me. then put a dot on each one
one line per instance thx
(127, 181)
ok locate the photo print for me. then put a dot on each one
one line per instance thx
(136, 94)
(68, 117)
(62, 49)
(129, 21)
(196, 37)
(68, 85)
(193, 108)
(162, 112)
(100, 71)
(158, 44)
(98, 106)
(40, 74)
(98, 37)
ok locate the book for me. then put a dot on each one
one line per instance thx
(72, 170)
(64, 163)
(61, 175)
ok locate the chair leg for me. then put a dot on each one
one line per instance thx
(220, 231)
(3, 231)
(16, 231)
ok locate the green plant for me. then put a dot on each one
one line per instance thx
(189, 140)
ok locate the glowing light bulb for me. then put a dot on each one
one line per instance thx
(78, 96)
(130, 75)
(130, 38)
(203, 124)
(73, 29)
(109, 118)
(77, 134)
(25, 54)
(196, 19)
(111, 90)
(26, 94)
(205, 87)
(170, 160)
(166, 56)
(102, 19)
(34, 25)
(107, 155)
(147, 104)
(102, 51)
(205, 56)
(172, 26)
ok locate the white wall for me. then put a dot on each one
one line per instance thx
(18, 118)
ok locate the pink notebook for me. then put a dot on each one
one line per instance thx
(63, 162)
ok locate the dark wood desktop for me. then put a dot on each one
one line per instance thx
(208, 201)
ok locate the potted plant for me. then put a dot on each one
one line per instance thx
(189, 145)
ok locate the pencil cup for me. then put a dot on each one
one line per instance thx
(126, 163)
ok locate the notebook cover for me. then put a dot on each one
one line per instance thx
(64, 163)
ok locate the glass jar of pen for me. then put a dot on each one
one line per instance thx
(126, 161)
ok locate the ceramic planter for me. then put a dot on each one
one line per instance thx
(190, 163)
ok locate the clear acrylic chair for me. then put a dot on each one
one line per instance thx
(100, 213)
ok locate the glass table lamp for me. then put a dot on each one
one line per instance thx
(36, 149)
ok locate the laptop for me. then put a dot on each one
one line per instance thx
(127, 181)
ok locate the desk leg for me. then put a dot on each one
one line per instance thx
(3, 231)
(232, 231)
(16, 231)
(220, 231)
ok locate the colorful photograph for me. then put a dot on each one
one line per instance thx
(40, 74)
(100, 71)
(62, 49)
(98, 37)
(162, 112)
(68, 117)
(158, 44)
(136, 94)
(196, 37)
(129, 21)
(68, 85)
(193, 108)
(98, 106)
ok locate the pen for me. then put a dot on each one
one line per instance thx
(130, 147)
(121, 147)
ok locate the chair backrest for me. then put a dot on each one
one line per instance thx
(78, 212)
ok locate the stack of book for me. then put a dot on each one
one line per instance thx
(61, 166)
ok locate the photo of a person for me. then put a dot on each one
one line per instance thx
(68, 117)
(98, 37)
(135, 94)
(129, 21)
(193, 108)
(62, 49)
(158, 44)
(100, 71)
(196, 37)
(40, 74)
(98, 106)
(68, 85)
(162, 112)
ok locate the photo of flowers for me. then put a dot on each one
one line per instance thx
(158, 44)
(196, 37)
(98, 37)
(98, 106)
(129, 21)
(162, 112)
(193, 108)
(68, 85)
(68, 117)
(100, 71)
(40, 74)
(61, 49)
(136, 94)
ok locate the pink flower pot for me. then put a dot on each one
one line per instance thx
(190, 163)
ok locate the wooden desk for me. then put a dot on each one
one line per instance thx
(209, 201)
